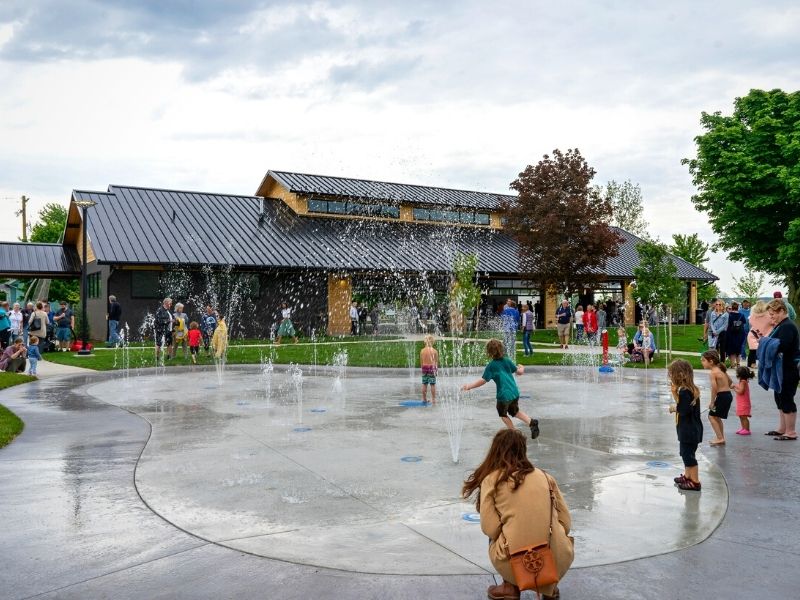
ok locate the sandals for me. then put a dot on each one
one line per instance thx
(680, 478)
(773, 433)
(784, 438)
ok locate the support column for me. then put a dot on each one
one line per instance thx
(630, 304)
(340, 291)
(549, 306)
(692, 302)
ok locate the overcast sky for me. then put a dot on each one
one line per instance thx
(210, 95)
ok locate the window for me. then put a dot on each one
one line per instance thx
(356, 209)
(145, 284)
(450, 216)
(94, 284)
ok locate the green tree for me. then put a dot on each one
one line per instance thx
(627, 206)
(465, 295)
(49, 229)
(749, 285)
(747, 173)
(695, 251)
(657, 282)
(560, 223)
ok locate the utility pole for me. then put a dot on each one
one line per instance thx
(23, 212)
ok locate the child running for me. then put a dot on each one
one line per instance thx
(194, 336)
(687, 421)
(429, 361)
(721, 396)
(34, 356)
(501, 370)
(742, 390)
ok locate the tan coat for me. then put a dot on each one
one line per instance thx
(516, 518)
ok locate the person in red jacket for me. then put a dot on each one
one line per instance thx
(195, 336)
(590, 324)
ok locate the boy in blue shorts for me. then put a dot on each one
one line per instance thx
(501, 370)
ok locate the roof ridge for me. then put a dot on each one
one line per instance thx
(161, 189)
(417, 185)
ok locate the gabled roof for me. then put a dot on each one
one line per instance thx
(393, 193)
(132, 225)
(38, 260)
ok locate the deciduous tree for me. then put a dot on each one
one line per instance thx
(695, 251)
(561, 223)
(627, 206)
(747, 173)
(749, 285)
(657, 282)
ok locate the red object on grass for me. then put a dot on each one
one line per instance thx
(77, 345)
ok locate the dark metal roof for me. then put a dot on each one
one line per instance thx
(155, 226)
(395, 193)
(38, 260)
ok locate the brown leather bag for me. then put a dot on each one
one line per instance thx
(534, 566)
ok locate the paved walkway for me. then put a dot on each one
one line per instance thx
(75, 525)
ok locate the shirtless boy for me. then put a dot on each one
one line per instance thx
(721, 396)
(429, 361)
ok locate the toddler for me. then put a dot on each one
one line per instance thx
(742, 390)
(429, 361)
(194, 336)
(34, 356)
(622, 342)
(687, 421)
(501, 370)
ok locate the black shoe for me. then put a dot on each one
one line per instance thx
(534, 428)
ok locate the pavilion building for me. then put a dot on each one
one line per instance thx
(314, 242)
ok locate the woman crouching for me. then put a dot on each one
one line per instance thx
(515, 507)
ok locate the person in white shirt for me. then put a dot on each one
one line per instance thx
(353, 319)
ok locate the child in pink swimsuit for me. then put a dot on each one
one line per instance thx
(742, 390)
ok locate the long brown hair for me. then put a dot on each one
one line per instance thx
(507, 454)
(681, 375)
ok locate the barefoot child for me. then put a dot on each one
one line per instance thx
(501, 370)
(194, 336)
(742, 390)
(687, 420)
(721, 396)
(429, 361)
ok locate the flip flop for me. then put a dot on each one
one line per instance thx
(785, 438)
(773, 433)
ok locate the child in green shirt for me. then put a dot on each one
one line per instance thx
(501, 370)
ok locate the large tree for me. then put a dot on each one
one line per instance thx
(561, 223)
(695, 251)
(749, 286)
(49, 228)
(627, 206)
(657, 282)
(747, 172)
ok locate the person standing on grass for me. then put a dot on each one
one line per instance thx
(114, 315)
(194, 336)
(510, 319)
(208, 324)
(429, 362)
(353, 319)
(563, 323)
(180, 325)
(5, 326)
(590, 324)
(26, 318)
(162, 329)
(65, 325)
(528, 323)
(501, 370)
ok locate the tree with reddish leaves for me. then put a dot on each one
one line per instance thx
(561, 223)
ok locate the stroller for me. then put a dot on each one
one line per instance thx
(50, 339)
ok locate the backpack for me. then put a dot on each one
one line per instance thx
(36, 323)
(737, 324)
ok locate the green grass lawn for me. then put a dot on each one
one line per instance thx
(361, 353)
(10, 424)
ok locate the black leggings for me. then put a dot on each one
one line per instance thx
(751, 358)
(687, 452)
